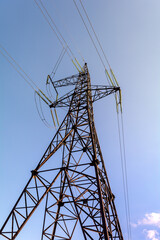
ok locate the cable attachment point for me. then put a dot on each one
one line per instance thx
(60, 204)
(34, 173)
(95, 162)
(84, 149)
(74, 127)
(85, 201)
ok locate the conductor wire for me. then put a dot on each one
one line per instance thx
(89, 34)
(18, 66)
(56, 28)
(125, 169)
(123, 176)
(114, 80)
(21, 72)
(58, 34)
(41, 115)
(17, 70)
(50, 25)
(124, 173)
(58, 62)
(94, 33)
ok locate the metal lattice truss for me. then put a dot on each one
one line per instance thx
(71, 176)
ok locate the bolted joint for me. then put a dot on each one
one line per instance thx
(74, 126)
(85, 201)
(113, 197)
(60, 204)
(95, 162)
(34, 173)
(79, 104)
(110, 235)
(84, 149)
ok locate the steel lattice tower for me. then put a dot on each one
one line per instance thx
(71, 175)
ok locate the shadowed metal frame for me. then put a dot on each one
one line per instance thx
(77, 192)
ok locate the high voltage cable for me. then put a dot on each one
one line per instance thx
(36, 89)
(67, 46)
(73, 41)
(58, 62)
(20, 70)
(89, 33)
(54, 71)
(125, 167)
(123, 177)
(94, 33)
(7, 58)
(58, 34)
(56, 28)
(112, 80)
(41, 117)
(50, 25)
(124, 172)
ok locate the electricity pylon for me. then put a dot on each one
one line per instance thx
(71, 175)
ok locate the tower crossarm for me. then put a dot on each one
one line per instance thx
(98, 92)
(68, 81)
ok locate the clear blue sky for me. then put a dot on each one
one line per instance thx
(130, 35)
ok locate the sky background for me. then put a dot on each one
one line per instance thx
(130, 35)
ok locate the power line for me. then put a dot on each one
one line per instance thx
(7, 58)
(67, 46)
(94, 33)
(89, 33)
(58, 34)
(112, 80)
(41, 115)
(123, 177)
(124, 171)
(73, 42)
(21, 72)
(58, 62)
(125, 168)
(56, 28)
(49, 24)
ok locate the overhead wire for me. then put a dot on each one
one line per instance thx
(30, 82)
(96, 36)
(7, 58)
(125, 169)
(123, 178)
(92, 41)
(20, 70)
(54, 72)
(100, 45)
(41, 115)
(59, 60)
(56, 28)
(89, 32)
(58, 35)
(112, 80)
(72, 40)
